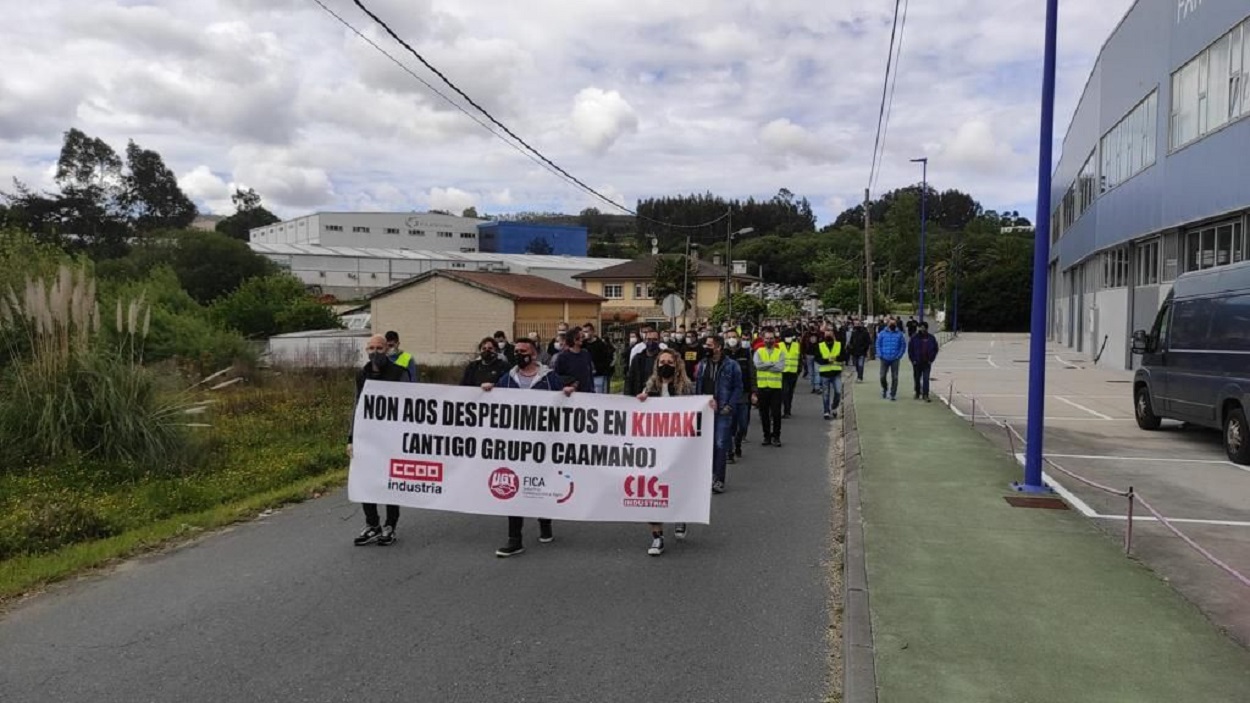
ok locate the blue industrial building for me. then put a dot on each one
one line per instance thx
(531, 238)
(1154, 180)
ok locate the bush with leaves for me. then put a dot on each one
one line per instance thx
(277, 304)
(745, 307)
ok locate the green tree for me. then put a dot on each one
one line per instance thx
(470, 211)
(150, 193)
(671, 274)
(783, 309)
(269, 305)
(249, 214)
(210, 265)
(745, 307)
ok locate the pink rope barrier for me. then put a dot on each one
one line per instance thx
(1082, 479)
(1197, 547)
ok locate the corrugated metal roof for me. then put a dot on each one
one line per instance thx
(536, 260)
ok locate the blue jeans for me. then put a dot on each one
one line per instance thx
(723, 443)
(741, 421)
(817, 381)
(889, 367)
(859, 366)
(602, 383)
(835, 385)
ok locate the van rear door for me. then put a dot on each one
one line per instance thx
(1194, 376)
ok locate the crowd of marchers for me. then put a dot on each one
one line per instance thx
(739, 368)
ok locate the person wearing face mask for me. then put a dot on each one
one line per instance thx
(505, 349)
(859, 342)
(721, 378)
(642, 366)
(810, 344)
(488, 367)
(770, 364)
(741, 353)
(830, 353)
(401, 358)
(641, 345)
(603, 354)
(668, 378)
(691, 352)
(891, 347)
(794, 366)
(574, 363)
(556, 341)
(528, 374)
(378, 368)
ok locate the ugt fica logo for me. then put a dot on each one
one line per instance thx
(504, 483)
(645, 492)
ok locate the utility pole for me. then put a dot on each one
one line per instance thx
(685, 285)
(924, 218)
(729, 265)
(867, 254)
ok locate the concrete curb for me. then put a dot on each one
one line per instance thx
(859, 665)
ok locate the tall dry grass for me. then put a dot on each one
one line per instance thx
(71, 390)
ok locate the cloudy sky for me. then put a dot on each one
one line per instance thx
(637, 98)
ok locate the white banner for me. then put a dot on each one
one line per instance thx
(533, 453)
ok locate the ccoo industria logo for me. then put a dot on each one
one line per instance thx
(415, 476)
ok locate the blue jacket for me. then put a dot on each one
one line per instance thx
(728, 389)
(891, 346)
(547, 380)
(922, 350)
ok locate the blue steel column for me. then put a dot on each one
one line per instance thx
(1041, 260)
(924, 220)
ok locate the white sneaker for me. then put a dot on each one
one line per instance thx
(657, 546)
(680, 531)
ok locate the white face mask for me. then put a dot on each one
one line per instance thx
(633, 340)
(732, 343)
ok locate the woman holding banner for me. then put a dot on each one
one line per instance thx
(668, 379)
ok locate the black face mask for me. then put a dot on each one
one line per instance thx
(667, 372)
(379, 359)
(653, 346)
(488, 356)
(708, 351)
(893, 327)
(524, 360)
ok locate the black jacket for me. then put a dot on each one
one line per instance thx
(477, 373)
(860, 341)
(603, 356)
(389, 372)
(639, 373)
(746, 361)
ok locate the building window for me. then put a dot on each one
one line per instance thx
(642, 291)
(1129, 148)
(1210, 90)
(614, 291)
(1148, 263)
(1115, 269)
(468, 235)
(445, 235)
(457, 265)
(392, 230)
(334, 228)
(1218, 245)
(416, 232)
(1087, 184)
(362, 230)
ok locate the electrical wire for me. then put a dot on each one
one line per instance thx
(889, 107)
(548, 163)
(885, 88)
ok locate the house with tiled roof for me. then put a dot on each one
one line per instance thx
(626, 288)
(442, 315)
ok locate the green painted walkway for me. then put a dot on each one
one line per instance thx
(974, 600)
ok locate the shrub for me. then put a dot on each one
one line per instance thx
(269, 305)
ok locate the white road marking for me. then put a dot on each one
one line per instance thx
(990, 360)
(1078, 406)
(1071, 419)
(1065, 363)
(1105, 457)
(1190, 521)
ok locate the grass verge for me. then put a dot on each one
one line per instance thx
(24, 574)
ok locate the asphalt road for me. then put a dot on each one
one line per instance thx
(286, 609)
(1090, 431)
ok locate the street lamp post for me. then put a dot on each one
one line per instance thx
(729, 268)
(924, 198)
(685, 286)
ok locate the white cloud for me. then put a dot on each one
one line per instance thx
(648, 96)
(602, 117)
(452, 200)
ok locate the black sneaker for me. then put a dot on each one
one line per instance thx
(510, 549)
(387, 538)
(545, 534)
(826, 416)
(730, 459)
(785, 416)
(680, 530)
(777, 442)
(718, 486)
(368, 536)
(766, 443)
(738, 450)
(657, 546)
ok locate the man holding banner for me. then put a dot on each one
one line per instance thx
(528, 374)
(380, 367)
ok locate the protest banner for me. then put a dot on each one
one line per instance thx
(533, 453)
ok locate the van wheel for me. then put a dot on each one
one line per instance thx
(1236, 436)
(1144, 411)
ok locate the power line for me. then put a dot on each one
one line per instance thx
(508, 131)
(889, 108)
(885, 87)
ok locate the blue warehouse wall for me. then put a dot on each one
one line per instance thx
(532, 238)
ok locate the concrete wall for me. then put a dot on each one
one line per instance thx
(441, 321)
(411, 231)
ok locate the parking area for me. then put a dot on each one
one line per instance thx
(1090, 430)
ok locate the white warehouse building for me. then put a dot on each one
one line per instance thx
(425, 231)
(350, 273)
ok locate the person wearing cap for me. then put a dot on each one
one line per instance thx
(922, 351)
(401, 358)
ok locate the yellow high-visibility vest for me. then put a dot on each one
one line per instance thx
(768, 379)
(830, 353)
(792, 356)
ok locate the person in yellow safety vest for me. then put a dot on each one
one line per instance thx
(829, 359)
(790, 377)
(401, 358)
(770, 364)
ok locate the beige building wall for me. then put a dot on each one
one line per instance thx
(441, 321)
